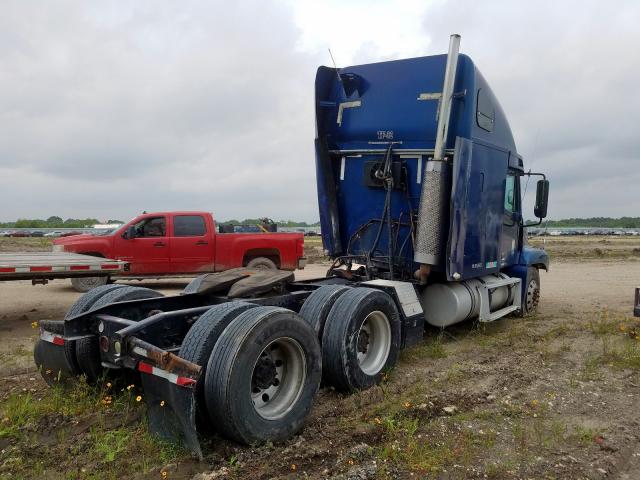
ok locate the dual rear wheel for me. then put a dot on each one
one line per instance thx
(261, 369)
(360, 333)
(262, 366)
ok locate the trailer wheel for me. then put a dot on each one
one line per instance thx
(262, 263)
(84, 284)
(361, 339)
(82, 305)
(87, 349)
(531, 294)
(316, 307)
(198, 344)
(263, 375)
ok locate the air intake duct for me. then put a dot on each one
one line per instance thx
(433, 215)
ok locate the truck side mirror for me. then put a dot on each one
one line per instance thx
(542, 198)
(130, 233)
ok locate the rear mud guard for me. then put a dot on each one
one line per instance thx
(50, 357)
(172, 411)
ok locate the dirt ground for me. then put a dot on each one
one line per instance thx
(553, 395)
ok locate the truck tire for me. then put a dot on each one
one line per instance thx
(531, 294)
(82, 305)
(86, 301)
(263, 375)
(361, 339)
(198, 344)
(84, 284)
(124, 294)
(87, 349)
(317, 306)
(262, 263)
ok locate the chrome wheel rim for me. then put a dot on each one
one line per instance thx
(374, 343)
(278, 378)
(533, 294)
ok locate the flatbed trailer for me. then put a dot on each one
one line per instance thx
(40, 267)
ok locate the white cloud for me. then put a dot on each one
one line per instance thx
(109, 108)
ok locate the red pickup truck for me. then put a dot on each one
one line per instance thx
(182, 243)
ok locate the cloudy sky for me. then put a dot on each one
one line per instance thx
(110, 108)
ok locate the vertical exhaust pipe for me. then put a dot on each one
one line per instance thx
(433, 214)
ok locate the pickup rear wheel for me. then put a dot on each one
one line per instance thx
(263, 375)
(84, 284)
(262, 263)
(361, 339)
(199, 342)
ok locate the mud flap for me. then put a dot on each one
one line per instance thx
(172, 411)
(51, 360)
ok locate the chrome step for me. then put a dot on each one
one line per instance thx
(486, 315)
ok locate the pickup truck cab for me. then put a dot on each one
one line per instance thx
(183, 243)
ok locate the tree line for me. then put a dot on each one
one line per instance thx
(58, 222)
(595, 222)
(54, 222)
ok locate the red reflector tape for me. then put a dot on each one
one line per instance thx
(79, 267)
(51, 338)
(145, 368)
(7, 270)
(185, 381)
(172, 377)
(41, 269)
(110, 266)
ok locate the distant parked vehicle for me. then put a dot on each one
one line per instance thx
(37, 234)
(69, 234)
(19, 234)
(166, 244)
(53, 234)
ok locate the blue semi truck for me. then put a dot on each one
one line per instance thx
(420, 198)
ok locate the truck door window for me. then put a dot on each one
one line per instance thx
(485, 113)
(151, 227)
(510, 194)
(189, 226)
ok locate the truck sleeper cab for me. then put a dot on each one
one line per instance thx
(243, 351)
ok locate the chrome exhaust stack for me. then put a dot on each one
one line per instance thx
(432, 214)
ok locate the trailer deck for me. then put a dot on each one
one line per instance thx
(43, 266)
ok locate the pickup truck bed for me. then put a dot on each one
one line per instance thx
(42, 266)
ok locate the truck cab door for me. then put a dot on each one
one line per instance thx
(509, 242)
(191, 244)
(148, 251)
